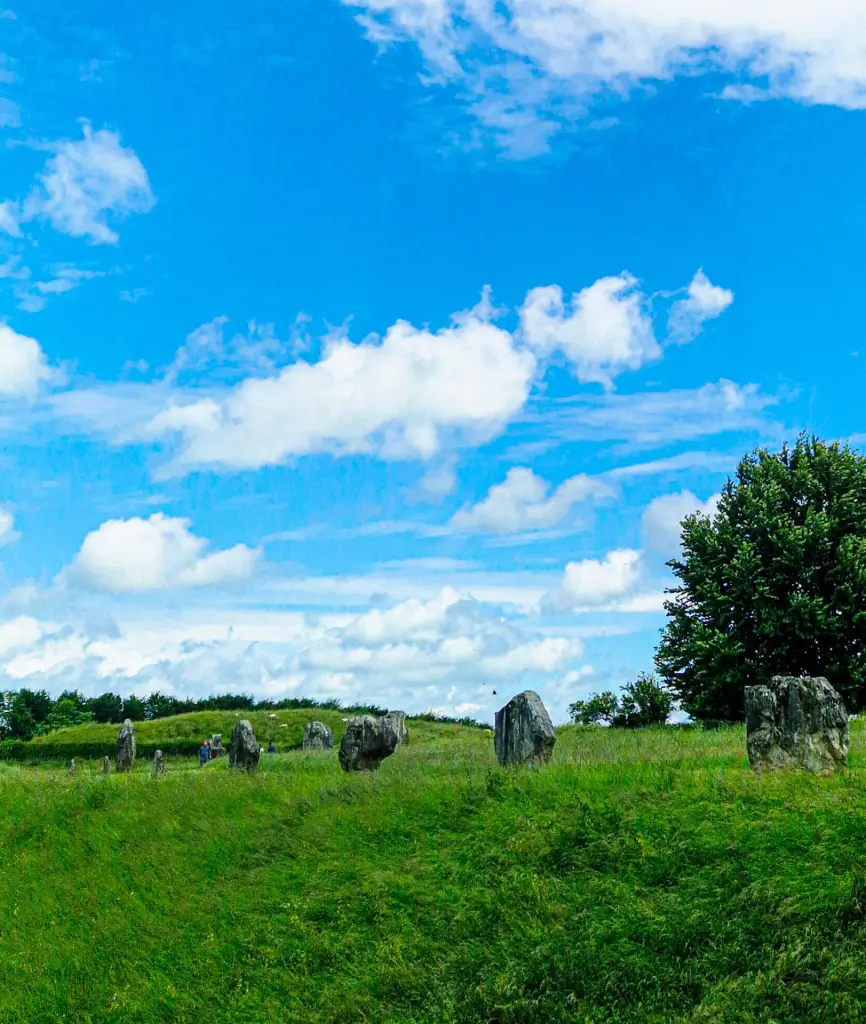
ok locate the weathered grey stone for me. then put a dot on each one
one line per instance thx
(72, 766)
(106, 766)
(216, 745)
(398, 720)
(523, 731)
(126, 747)
(317, 736)
(159, 763)
(366, 742)
(796, 721)
(244, 751)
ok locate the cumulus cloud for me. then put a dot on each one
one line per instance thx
(23, 366)
(595, 582)
(662, 519)
(129, 555)
(524, 501)
(86, 180)
(704, 301)
(398, 398)
(603, 331)
(447, 651)
(528, 67)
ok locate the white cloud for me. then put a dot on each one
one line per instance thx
(8, 533)
(528, 67)
(86, 180)
(23, 366)
(662, 519)
(593, 582)
(439, 481)
(605, 331)
(10, 215)
(411, 619)
(129, 555)
(452, 653)
(20, 633)
(524, 502)
(652, 418)
(398, 399)
(711, 462)
(705, 301)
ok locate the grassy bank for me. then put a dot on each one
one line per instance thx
(178, 735)
(641, 877)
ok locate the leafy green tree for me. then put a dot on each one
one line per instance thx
(646, 701)
(134, 708)
(18, 720)
(601, 707)
(66, 712)
(643, 702)
(38, 703)
(107, 707)
(774, 583)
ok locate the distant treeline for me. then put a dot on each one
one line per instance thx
(28, 713)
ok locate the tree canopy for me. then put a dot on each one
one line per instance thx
(774, 583)
(642, 702)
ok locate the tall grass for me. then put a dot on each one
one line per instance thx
(643, 876)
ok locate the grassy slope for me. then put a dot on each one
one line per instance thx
(641, 877)
(181, 734)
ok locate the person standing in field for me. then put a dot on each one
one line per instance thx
(203, 754)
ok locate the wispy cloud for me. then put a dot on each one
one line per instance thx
(527, 69)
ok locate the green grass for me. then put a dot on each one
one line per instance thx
(178, 735)
(641, 877)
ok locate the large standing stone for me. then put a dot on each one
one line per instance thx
(244, 751)
(317, 736)
(159, 763)
(366, 742)
(126, 747)
(398, 720)
(216, 745)
(796, 721)
(523, 731)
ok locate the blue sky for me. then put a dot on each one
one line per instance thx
(374, 350)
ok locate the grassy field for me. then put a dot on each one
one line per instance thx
(641, 877)
(181, 735)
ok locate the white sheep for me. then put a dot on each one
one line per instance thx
(273, 718)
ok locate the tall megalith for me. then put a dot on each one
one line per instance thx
(125, 760)
(244, 750)
(523, 732)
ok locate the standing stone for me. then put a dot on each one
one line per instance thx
(523, 731)
(244, 751)
(797, 721)
(72, 766)
(126, 747)
(216, 745)
(106, 766)
(366, 742)
(159, 763)
(317, 736)
(398, 721)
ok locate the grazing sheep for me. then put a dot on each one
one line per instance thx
(284, 725)
(272, 717)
